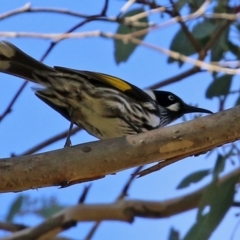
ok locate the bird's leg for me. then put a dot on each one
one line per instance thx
(68, 142)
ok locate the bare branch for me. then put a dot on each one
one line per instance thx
(28, 9)
(122, 210)
(127, 5)
(23, 9)
(14, 99)
(95, 160)
(225, 16)
(175, 79)
(198, 63)
(11, 227)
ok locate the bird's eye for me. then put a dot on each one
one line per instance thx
(171, 97)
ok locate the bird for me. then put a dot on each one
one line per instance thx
(104, 105)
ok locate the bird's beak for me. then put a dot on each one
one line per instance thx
(190, 109)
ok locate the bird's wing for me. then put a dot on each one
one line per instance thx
(105, 80)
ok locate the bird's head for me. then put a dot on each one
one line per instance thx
(173, 106)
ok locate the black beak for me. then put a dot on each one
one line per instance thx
(190, 109)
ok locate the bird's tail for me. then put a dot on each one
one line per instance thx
(15, 62)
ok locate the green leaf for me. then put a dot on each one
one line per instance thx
(222, 7)
(220, 200)
(48, 211)
(219, 166)
(204, 29)
(220, 47)
(193, 178)
(181, 44)
(234, 49)
(238, 101)
(196, 4)
(205, 199)
(15, 207)
(180, 3)
(219, 87)
(174, 234)
(123, 50)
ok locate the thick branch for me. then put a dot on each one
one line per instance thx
(96, 159)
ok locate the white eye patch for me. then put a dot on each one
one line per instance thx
(174, 107)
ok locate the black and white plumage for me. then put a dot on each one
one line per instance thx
(104, 105)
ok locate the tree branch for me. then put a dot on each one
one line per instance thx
(175, 79)
(122, 210)
(94, 160)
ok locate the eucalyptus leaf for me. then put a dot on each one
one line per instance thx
(123, 50)
(193, 178)
(220, 47)
(204, 29)
(15, 207)
(174, 234)
(219, 87)
(181, 44)
(219, 166)
(220, 200)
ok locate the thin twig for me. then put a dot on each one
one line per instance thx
(225, 16)
(175, 79)
(14, 99)
(197, 46)
(12, 227)
(216, 35)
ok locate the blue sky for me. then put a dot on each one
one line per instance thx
(31, 121)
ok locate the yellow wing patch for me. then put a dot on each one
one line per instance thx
(111, 80)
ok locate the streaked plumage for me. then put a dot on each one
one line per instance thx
(103, 105)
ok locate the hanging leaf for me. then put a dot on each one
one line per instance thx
(48, 211)
(204, 29)
(235, 49)
(180, 3)
(220, 47)
(181, 44)
(193, 178)
(238, 101)
(219, 87)
(219, 199)
(123, 50)
(174, 234)
(205, 199)
(219, 166)
(196, 4)
(16, 207)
